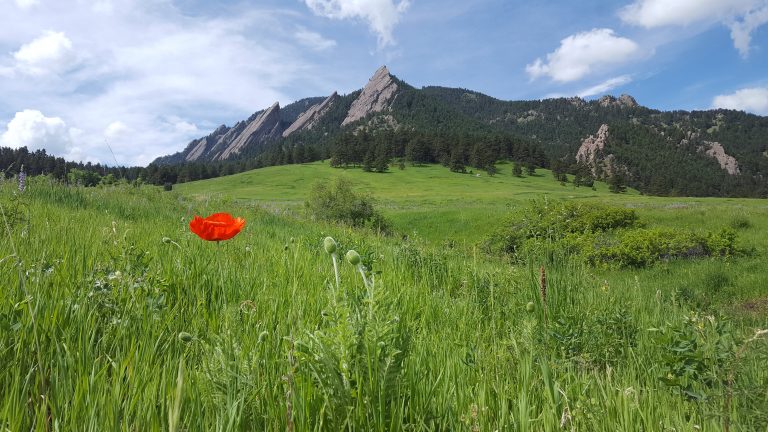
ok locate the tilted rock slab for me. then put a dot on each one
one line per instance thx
(375, 97)
(264, 127)
(309, 118)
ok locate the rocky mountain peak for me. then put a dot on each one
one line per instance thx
(375, 97)
(623, 101)
(309, 118)
(627, 101)
(265, 126)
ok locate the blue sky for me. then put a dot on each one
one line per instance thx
(147, 76)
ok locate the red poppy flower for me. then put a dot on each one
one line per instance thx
(216, 227)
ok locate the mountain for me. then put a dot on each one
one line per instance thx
(714, 152)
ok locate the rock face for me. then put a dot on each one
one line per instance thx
(309, 118)
(375, 97)
(591, 151)
(592, 154)
(624, 101)
(202, 146)
(727, 162)
(262, 128)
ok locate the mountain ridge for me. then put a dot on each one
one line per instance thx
(719, 144)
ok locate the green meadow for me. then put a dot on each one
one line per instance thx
(114, 316)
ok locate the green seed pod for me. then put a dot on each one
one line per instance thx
(185, 337)
(330, 245)
(530, 307)
(353, 257)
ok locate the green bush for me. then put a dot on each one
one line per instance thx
(544, 220)
(336, 201)
(643, 247)
(602, 235)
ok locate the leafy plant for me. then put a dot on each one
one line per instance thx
(337, 201)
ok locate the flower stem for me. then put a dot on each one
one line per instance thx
(335, 269)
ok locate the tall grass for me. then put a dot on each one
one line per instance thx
(137, 333)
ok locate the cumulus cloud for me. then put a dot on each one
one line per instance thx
(381, 15)
(605, 86)
(754, 100)
(144, 75)
(580, 54)
(741, 16)
(33, 130)
(50, 53)
(314, 40)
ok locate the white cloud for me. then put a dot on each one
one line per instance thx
(605, 86)
(26, 4)
(314, 40)
(581, 54)
(741, 16)
(115, 130)
(381, 15)
(754, 100)
(50, 53)
(741, 30)
(145, 75)
(33, 130)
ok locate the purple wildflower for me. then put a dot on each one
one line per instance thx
(22, 180)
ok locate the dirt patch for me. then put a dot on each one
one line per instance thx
(757, 306)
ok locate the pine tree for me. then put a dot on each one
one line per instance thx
(517, 169)
(369, 161)
(617, 183)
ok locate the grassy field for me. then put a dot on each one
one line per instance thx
(436, 204)
(115, 317)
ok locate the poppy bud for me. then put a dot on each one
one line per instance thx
(263, 336)
(166, 240)
(530, 307)
(185, 337)
(353, 257)
(330, 245)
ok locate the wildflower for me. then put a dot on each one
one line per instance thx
(22, 180)
(216, 227)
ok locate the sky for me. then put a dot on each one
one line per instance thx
(125, 81)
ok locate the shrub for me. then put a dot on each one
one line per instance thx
(336, 201)
(544, 220)
(643, 247)
(602, 235)
(739, 222)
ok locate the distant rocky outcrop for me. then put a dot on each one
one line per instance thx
(591, 152)
(309, 118)
(623, 101)
(375, 97)
(264, 127)
(715, 150)
(202, 146)
(577, 101)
